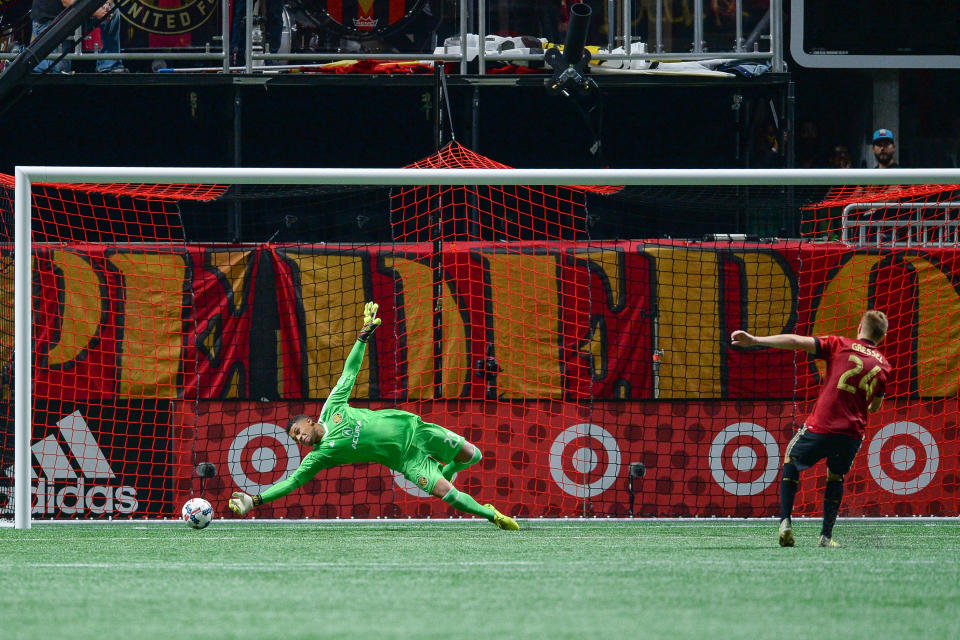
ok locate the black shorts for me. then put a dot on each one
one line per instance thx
(806, 449)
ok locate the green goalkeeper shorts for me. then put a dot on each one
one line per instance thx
(432, 447)
(435, 441)
(421, 470)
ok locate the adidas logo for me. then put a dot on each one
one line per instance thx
(67, 470)
(80, 442)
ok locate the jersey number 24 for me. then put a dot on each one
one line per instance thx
(868, 382)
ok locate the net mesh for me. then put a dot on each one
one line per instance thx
(112, 326)
(893, 248)
(495, 307)
(579, 336)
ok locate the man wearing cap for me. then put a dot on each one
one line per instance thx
(884, 148)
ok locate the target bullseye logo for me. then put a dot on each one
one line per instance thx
(744, 459)
(590, 454)
(261, 455)
(903, 458)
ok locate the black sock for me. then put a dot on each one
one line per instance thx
(832, 496)
(789, 483)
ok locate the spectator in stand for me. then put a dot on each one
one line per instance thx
(823, 222)
(108, 19)
(768, 150)
(884, 149)
(840, 157)
(810, 151)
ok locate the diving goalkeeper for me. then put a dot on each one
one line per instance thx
(426, 454)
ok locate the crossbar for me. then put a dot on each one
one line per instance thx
(632, 177)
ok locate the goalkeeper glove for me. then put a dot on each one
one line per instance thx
(241, 504)
(370, 321)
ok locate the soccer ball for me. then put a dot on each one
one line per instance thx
(197, 513)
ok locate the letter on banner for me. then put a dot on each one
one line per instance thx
(771, 293)
(938, 336)
(152, 321)
(233, 268)
(333, 283)
(608, 264)
(526, 323)
(81, 307)
(418, 306)
(844, 299)
(687, 323)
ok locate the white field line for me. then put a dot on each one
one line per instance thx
(376, 522)
(272, 565)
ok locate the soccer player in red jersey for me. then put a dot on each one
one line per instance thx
(854, 385)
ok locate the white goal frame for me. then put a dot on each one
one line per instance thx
(26, 176)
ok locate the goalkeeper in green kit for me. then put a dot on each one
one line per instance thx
(426, 454)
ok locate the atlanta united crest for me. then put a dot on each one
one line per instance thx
(153, 17)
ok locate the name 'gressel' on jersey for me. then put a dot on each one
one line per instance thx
(867, 351)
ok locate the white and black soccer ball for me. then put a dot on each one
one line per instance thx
(197, 513)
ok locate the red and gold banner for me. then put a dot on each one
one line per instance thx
(652, 319)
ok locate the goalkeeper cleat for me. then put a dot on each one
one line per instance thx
(504, 522)
(830, 543)
(786, 533)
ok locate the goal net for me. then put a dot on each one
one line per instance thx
(576, 331)
(895, 248)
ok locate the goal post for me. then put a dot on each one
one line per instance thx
(23, 344)
(543, 429)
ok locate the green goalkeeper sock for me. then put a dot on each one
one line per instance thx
(455, 467)
(464, 502)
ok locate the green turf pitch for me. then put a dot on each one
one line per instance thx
(467, 579)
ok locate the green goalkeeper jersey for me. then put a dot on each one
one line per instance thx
(352, 435)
